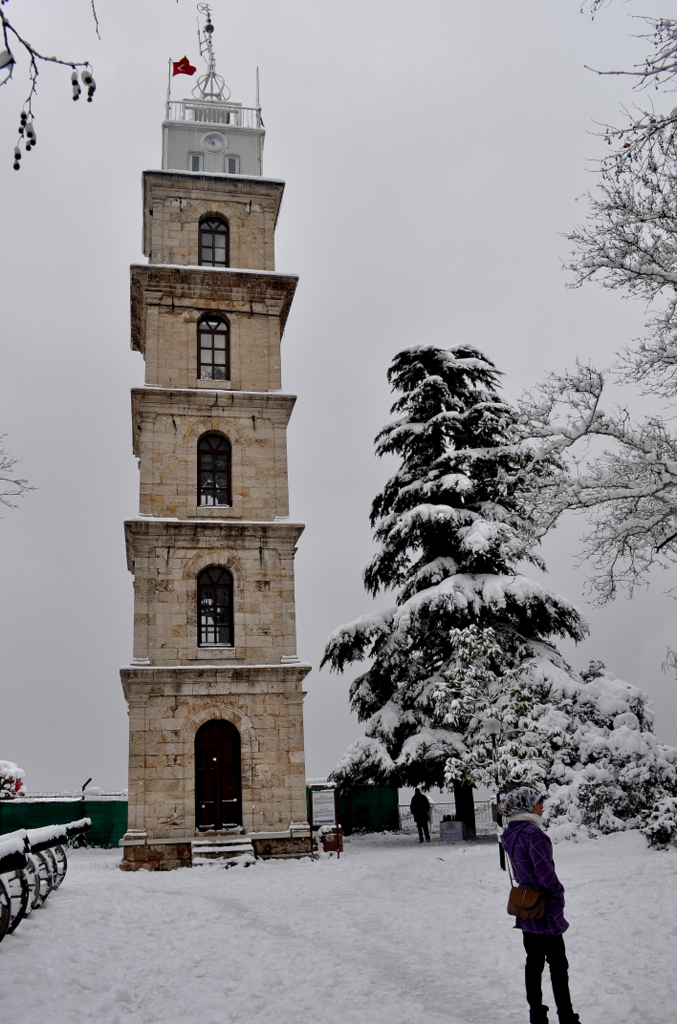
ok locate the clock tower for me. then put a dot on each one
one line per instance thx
(215, 687)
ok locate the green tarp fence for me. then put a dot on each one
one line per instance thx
(109, 817)
(366, 809)
(369, 809)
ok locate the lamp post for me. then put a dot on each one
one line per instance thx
(492, 727)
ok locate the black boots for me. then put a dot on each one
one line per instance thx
(540, 1016)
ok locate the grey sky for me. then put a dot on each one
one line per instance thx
(433, 154)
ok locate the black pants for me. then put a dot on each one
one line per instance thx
(422, 827)
(551, 948)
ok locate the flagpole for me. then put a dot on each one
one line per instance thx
(169, 85)
(258, 99)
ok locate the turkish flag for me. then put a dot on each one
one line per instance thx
(183, 67)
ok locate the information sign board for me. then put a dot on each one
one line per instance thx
(451, 831)
(323, 806)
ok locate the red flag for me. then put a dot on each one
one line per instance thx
(182, 67)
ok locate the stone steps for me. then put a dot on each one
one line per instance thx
(235, 849)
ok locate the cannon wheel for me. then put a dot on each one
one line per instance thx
(45, 876)
(5, 910)
(32, 877)
(60, 864)
(19, 892)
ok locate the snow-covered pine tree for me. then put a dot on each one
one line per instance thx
(451, 531)
(513, 730)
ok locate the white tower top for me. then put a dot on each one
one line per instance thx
(209, 132)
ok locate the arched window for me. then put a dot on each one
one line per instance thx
(213, 470)
(214, 242)
(215, 607)
(213, 348)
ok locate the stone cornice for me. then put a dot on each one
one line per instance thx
(196, 401)
(157, 530)
(234, 292)
(149, 680)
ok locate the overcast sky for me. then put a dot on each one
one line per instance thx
(434, 152)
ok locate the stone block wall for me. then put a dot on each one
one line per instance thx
(167, 304)
(168, 706)
(166, 558)
(161, 857)
(174, 204)
(167, 426)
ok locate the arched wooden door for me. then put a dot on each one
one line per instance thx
(218, 776)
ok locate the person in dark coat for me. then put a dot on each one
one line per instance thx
(533, 866)
(420, 808)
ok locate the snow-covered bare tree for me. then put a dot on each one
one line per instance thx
(452, 530)
(621, 472)
(619, 468)
(15, 43)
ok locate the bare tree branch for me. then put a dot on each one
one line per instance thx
(620, 473)
(10, 485)
(10, 34)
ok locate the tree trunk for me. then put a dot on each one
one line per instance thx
(465, 808)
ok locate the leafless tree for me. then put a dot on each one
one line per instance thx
(14, 40)
(620, 470)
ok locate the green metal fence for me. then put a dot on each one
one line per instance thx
(109, 817)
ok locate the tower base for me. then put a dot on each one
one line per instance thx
(160, 857)
(168, 855)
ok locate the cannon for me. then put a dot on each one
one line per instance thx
(33, 863)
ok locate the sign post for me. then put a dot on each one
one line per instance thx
(324, 818)
(323, 806)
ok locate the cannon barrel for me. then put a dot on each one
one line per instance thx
(13, 852)
(14, 846)
(56, 835)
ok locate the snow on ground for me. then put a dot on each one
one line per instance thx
(392, 933)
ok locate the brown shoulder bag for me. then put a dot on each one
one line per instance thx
(523, 902)
(529, 903)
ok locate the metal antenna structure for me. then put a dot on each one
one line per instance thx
(210, 86)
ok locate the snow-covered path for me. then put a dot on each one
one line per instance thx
(393, 933)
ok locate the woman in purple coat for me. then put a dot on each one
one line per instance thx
(533, 866)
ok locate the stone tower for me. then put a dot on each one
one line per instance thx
(215, 686)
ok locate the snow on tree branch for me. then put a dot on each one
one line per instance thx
(10, 485)
(660, 66)
(620, 472)
(13, 38)
(511, 736)
(644, 142)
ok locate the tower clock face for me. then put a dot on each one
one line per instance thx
(214, 142)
